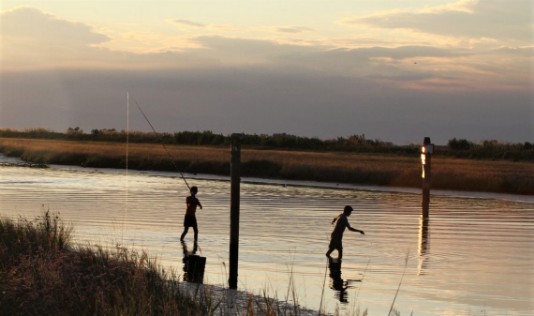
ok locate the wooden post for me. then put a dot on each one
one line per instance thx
(234, 209)
(426, 161)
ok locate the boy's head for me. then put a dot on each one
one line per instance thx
(193, 190)
(347, 210)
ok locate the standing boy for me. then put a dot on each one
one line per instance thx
(342, 222)
(190, 219)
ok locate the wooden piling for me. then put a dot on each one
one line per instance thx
(234, 209)
(426, 161)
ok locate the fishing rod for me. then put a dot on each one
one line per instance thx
(163, 144)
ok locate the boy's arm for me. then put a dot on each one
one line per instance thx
(354, 229)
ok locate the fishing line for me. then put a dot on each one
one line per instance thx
(163, 144)
(125, 213)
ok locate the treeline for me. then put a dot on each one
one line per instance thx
(461, 148)
(490, 149)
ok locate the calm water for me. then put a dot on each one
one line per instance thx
(475, 256)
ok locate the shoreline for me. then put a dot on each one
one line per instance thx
(235, 302)
(520, 198)
(343, 169)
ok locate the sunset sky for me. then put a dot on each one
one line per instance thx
(392, 70)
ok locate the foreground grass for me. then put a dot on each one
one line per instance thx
(41, 273)
(368, 169)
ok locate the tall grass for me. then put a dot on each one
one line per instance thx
(392, 309)
(357, 168)
(42, 273)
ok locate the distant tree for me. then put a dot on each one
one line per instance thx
(74, 131)
(459, 144)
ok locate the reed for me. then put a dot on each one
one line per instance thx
(43, 273)
(342, 167)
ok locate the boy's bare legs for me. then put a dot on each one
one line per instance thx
(339, 251)
(185, 233)
(195, 229)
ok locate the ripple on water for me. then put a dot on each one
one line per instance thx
(450, 266)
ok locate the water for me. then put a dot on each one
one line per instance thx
(474, 257)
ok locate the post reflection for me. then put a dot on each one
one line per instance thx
(423, 246)
(337, 283)
(193, 264)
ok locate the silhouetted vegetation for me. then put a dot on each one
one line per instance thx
(43, 273)
(461, 148)
(490, 149)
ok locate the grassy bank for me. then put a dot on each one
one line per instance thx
(358, 168)
(43, 273)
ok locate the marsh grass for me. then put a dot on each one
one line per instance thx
(43, 273)
(357, 168)
(392, 310)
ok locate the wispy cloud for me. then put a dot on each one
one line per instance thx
(293, 29)
(33, 39)
(507, 22)
(33, 26)
(188, 23)
(458, 5)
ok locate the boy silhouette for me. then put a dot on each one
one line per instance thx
(190, 219)
(336, 238)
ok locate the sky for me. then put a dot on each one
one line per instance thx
(395, 71)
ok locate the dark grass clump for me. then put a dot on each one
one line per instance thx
(42, 273)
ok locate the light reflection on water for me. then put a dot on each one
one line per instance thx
(474, 256)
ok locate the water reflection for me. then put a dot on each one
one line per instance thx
(423, 246)
(481, 240)
(193, 264)
(337, 283)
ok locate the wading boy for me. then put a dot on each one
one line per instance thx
(190, 219)
(342, 222)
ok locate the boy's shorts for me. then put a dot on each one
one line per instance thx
(336, 244)
(190, 221)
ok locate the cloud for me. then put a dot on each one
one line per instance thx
(458, 5)
(231, 50)
(29, 24)
(505, 21)
(188, 23)
(293, 29)
(261, 86)
(31, 38)
(76, 46)
(403, 52)
(252, 100)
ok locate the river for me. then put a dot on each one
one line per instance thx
(475, 255)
